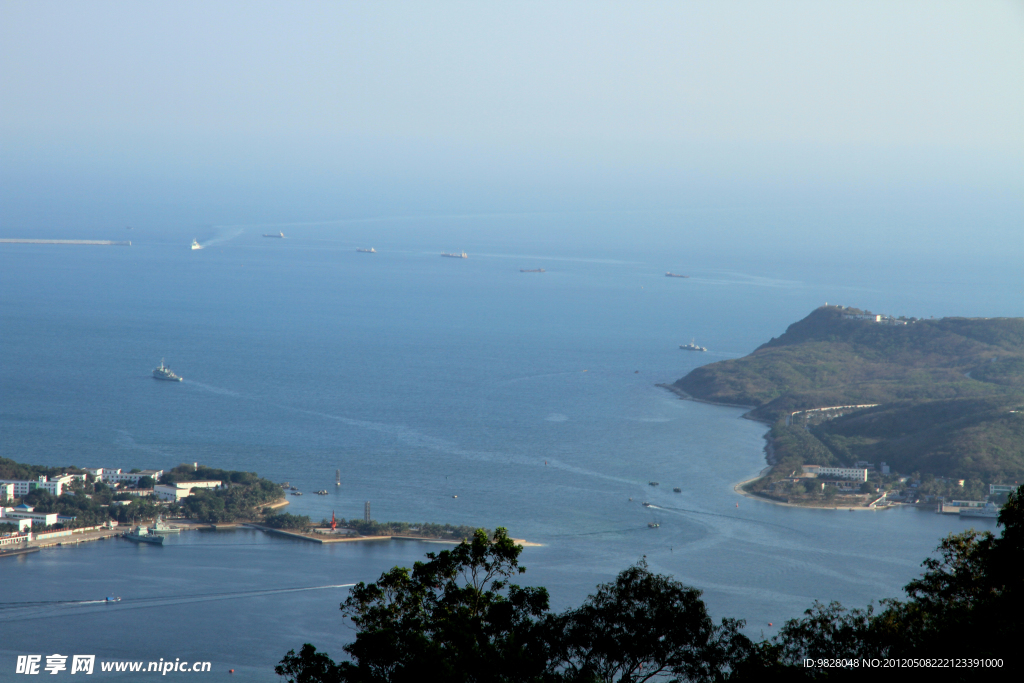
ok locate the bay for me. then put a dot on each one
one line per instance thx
(529, 396)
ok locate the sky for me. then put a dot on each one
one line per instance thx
(236, 112)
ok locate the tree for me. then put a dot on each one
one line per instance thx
(309, 666)
(643, 626)
(456, 616)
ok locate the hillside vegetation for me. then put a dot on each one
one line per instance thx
(949, 391)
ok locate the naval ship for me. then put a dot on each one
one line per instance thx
(692, 347)
(462, 255)
(140, 534)
(164, 372)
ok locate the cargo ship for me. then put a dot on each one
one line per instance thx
(164, 372)
(462, 255)
(675, 275)
(371, 250)
(279, 235)
(532, 270)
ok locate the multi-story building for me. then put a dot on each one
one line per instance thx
(116, 476)
(54, 485)
(182, 489)
(855, 473)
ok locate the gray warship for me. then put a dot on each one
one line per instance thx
(164, 372)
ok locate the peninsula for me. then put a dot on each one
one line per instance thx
(936, 402)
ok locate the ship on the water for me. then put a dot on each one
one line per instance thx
(532, 270)
(279, 235)
(462, 255)
(692, 346)
(164, 372)
(159, 527)
(371, 250)
(196, 245)
(675, 275)
(140, 534)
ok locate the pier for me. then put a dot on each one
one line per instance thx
(107, 243)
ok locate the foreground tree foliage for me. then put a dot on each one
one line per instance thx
(639, 627)
(457, 617)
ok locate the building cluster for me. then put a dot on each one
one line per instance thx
(857, 314)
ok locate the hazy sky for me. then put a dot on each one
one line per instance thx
(329, 109)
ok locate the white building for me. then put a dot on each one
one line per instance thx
(855, 473)
(54, 485)
(110, 476)
(6, 492)
(26, 512)
(182, 489)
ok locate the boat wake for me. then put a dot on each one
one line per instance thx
(42, 609)
(226, 236)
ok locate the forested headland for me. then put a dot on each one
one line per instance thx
(949, 394)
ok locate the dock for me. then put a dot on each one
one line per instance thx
(104, 243)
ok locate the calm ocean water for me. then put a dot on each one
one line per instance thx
(529, 396)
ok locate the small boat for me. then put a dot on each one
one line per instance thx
(675, 275)
(677, 490)
(164, 372)
(371, 250)
(646, 504)
(532, 270)
(462, 255)
(111, 598)
(196, 245)
(279, 235)
(653, 525)
(296, 493)
(140, 534)
(652, 483)
(692, 346)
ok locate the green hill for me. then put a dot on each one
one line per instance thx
(947, 390)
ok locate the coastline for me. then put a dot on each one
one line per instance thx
(688, 397)
(738, 487)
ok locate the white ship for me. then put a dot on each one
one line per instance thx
(462, 255)
(692, 346)
(196, 245)
(164, 372)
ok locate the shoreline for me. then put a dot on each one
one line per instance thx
(324, 538)
(688, 397)
(738, 487)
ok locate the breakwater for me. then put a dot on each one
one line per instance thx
(109, 243)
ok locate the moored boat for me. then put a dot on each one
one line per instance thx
(140, 534)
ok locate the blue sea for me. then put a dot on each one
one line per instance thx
(444, 390)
